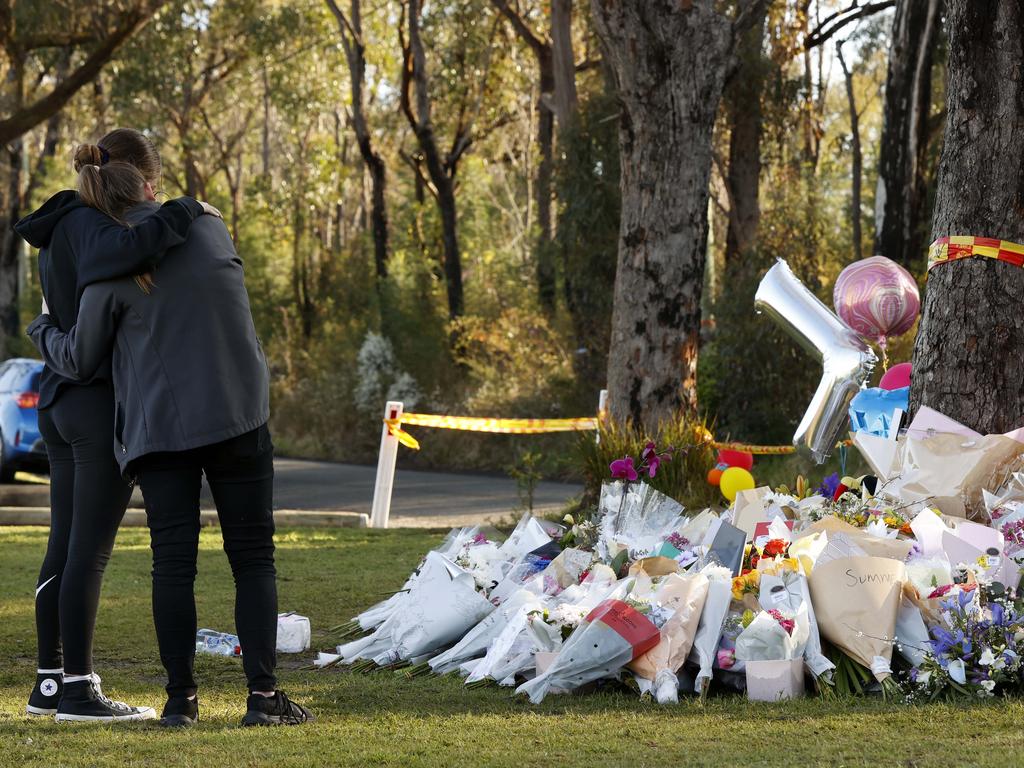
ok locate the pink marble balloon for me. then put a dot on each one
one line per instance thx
(877, 298)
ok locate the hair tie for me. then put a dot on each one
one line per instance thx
(104, 155)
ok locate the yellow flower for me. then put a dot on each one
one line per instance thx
(741, 585)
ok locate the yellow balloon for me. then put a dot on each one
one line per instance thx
(734, 480)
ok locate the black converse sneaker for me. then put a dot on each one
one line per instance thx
(180, 712)
(83, 701)
(46, 693)
(275, 710)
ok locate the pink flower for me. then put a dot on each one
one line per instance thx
(623, 469)
(940, 591)
(726, 658)
(787, 624)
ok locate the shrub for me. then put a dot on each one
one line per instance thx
(684, 478)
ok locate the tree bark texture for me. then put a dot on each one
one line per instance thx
(900, 198)
(546, 101)
(351, 29)
(441, 170)
(743, 104)
(669, 59)
(857, 162)
(969, 354)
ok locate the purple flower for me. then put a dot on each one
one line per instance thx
(828, 486)
(655, 461)
(623, 469)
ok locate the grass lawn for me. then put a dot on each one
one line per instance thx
(385, 719)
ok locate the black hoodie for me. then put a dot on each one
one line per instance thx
(188, 368)
(79, 246)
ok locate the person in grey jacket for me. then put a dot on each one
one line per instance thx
(191, 397)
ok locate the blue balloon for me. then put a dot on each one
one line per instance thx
(871, 410)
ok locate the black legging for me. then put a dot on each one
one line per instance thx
(240, 473)
(88, 497)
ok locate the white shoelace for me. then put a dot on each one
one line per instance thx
(96, 683)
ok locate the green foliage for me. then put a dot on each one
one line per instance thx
(684, 478)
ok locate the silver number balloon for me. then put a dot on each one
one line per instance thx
(847, 361)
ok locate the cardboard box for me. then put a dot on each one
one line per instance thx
(775, 680)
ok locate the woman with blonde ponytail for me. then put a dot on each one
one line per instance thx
(79, 245)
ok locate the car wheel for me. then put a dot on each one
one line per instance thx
(6, 469)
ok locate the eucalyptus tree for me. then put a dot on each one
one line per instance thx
(670, 59)
(969, 353)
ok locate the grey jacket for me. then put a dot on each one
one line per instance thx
(188, 369)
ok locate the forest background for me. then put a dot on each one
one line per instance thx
(426, 195)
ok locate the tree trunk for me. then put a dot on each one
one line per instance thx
(856, 172)
(900, 197)
(669, 59)
(450, 239)
(969, 354)
(10, 243)
(546, 289)
(11, 164)
(441, 170)
(743, 103)
(547, 102)
(351, 30)
(563, 64)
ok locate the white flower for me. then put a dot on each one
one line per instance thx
(923, 678)
(879, 529)
(987, 658)
(957, 672)
(988, 685)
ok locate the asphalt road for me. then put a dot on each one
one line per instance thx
(421, 499)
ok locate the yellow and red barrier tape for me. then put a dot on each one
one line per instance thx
(536, 427)
(947, 249)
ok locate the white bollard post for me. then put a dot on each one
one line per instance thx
(602, 411)
(381, 509)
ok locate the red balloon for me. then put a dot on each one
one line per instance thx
(740, 459)
(896, 377)
(714, 476)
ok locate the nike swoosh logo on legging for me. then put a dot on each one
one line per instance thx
(40, 587)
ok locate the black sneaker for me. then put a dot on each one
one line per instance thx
(275, 710)
(83, 701)
(180, 712)
(46, 694)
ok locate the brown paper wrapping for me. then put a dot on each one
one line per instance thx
(856, 600)
(686, 594)
(654, 566)
(896, 549)
(950, 471)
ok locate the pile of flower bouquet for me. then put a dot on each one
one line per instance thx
(877, 584)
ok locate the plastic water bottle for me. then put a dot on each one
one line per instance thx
(218, 643)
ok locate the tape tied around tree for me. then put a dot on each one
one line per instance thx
(954, 247)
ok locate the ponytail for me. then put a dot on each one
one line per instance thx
(112, 188)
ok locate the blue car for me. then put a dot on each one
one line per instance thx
(21, 447)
